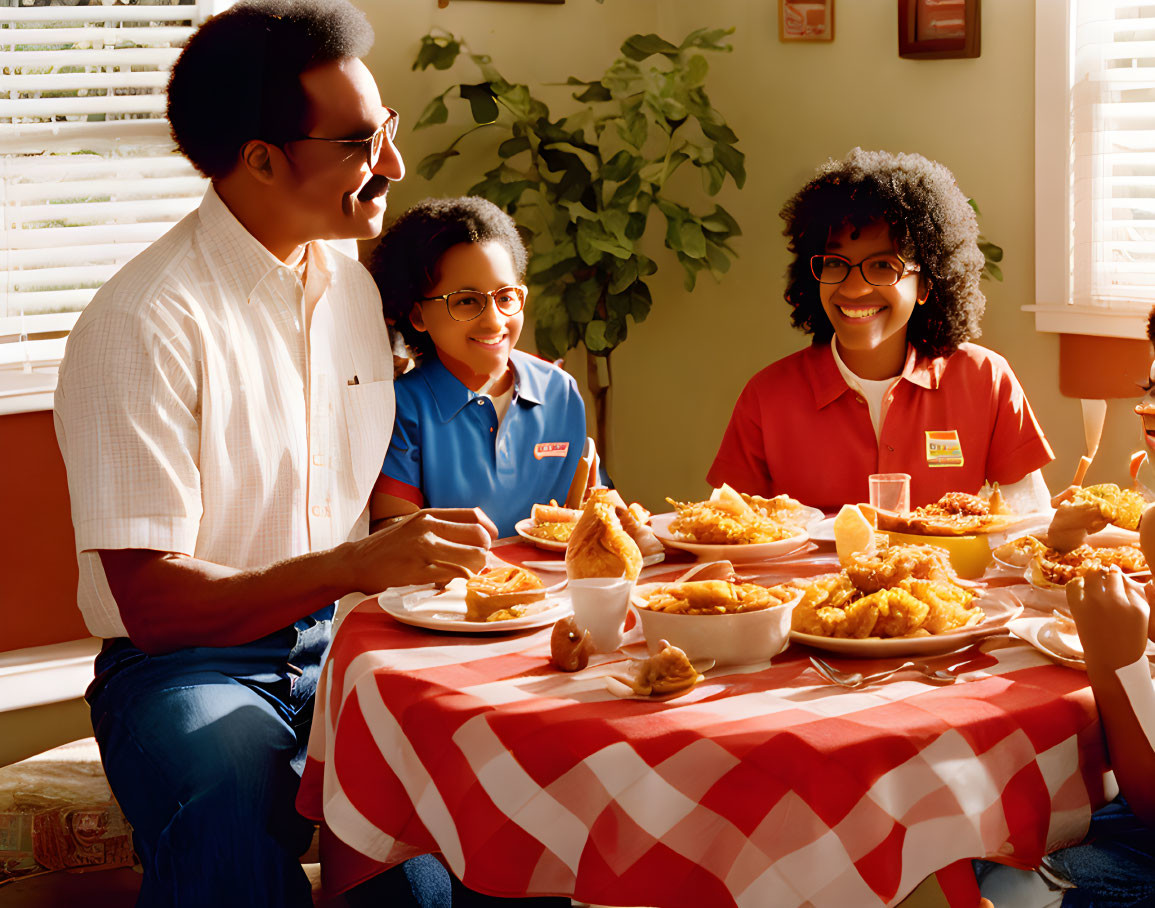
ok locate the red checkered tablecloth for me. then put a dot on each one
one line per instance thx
(760, 787)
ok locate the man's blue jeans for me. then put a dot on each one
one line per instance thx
(204, 749)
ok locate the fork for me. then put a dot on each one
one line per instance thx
(855, 680)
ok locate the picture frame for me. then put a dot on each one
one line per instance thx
(805, 20)
(938, 29)
(444, 3)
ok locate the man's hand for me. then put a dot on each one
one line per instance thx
(1112, 613)
(429, 546)
(1073, 522)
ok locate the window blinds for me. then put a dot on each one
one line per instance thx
(89, 174)
(1113, 160)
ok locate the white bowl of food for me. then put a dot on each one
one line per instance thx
(729, 623)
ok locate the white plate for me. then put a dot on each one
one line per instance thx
(999, 605)
(823, 530)
(1056, 638)
(1052, 637)
(660, 523)
(550, 545)
(424, 606)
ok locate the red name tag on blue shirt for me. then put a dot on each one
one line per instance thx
(550, 449)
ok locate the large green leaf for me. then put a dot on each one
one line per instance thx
(633, 128)
(482, 103)
(581, 300)
(696, 70)
(438, 52)
(431, 163)
(721, 221)
(639, 47)
(717, 257)
(625, 275)
(500, 192)
(511, 147)
(718, 132)
(595, 337)
(708, 39)
(640, 301)
(620, 166)
(594, 91)
(733, 160)
(435, 112)
(693, 241)
(713, 176)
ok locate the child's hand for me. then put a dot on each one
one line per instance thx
(1072, 523)
(1112, 614)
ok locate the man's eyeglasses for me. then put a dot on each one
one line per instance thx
(370, 145)
(882, 270)
(466, 305)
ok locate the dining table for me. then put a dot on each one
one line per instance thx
(764, 785)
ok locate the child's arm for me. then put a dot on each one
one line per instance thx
(1112, 614)
(384, 507)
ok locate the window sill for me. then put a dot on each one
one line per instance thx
(1126, 323)
(27, 392)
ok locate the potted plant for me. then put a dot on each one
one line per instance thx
(582, 186)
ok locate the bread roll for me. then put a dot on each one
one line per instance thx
(599, 546)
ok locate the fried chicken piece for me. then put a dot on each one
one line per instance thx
(668, 671)
(958, 503)
(599, 545)
(1061, 567)
(569, 649)
(888, 567)
(552, 532)
(706, 523)
(949, 606)
(715, 597)
(1122, 507)
(821, 606)
(781, 509)
(897, 613)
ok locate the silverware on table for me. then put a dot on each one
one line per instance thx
(855, 680)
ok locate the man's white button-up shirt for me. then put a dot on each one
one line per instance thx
(202, 409)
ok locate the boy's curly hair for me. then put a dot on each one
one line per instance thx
(931, 223)
(404, 263)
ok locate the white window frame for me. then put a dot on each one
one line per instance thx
(1055, 220)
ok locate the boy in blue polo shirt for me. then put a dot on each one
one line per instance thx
(478, 424)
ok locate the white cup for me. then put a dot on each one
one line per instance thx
(890, 491)
(599, 606)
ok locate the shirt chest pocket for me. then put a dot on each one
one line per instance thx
(369, 411)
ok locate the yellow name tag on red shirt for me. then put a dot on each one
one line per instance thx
(550, 449)
(943, 449)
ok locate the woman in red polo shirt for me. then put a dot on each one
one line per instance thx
(885, 279)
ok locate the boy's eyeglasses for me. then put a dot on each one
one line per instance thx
(466, 305)
(371, 145)
(883, 270)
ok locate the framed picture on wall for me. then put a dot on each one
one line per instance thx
(805, 20)
(930, 29)
(445, 3)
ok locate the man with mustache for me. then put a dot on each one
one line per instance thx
(222, 407)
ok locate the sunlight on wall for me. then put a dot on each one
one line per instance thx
(793, 106)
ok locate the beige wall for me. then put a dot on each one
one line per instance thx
(792, 105)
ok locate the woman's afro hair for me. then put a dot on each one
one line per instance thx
(931, 223)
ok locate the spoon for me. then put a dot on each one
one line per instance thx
(854, 680)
